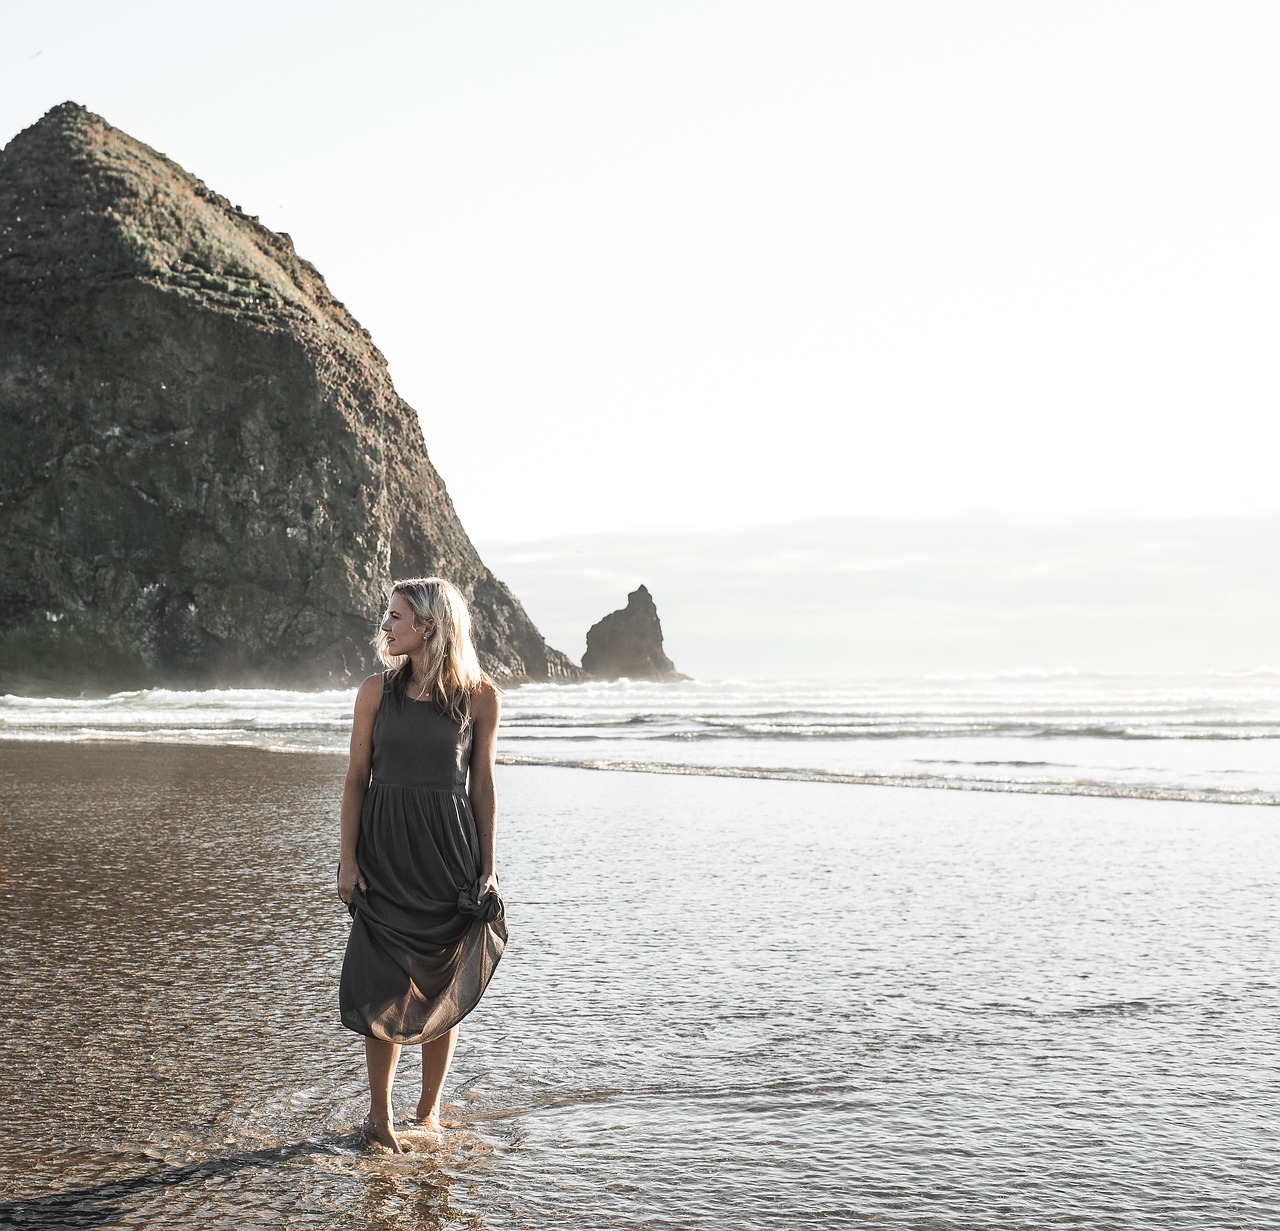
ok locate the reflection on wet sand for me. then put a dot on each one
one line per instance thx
(727, 1005)
(169, 973)
(387, 1196)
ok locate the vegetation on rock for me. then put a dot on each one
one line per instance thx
(207, 475)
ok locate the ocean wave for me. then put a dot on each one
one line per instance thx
(211, 698)
(1193, 737)
(658, 727)
(945, 782)
(1188, 784)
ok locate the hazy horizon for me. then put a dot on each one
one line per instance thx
(870, 596)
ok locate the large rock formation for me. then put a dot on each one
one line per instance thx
(206, 474)
(627, 644)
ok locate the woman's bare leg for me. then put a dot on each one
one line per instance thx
(436, 1056)
(381, 1058)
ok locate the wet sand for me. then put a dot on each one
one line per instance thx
(727, 1004)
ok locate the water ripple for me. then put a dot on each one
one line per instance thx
(727, 1004)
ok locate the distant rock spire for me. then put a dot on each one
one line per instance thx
(627, 644)
(207, 474)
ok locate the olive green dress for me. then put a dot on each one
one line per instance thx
(421, 949)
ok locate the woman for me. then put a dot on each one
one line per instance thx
(419, 817)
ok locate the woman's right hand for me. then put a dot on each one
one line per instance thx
(349, 878)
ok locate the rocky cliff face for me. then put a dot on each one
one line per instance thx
(206, 473)
(627, 644)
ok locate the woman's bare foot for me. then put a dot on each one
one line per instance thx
(429, 1120)
(380, 1133)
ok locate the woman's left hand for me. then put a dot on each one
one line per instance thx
(486, 882)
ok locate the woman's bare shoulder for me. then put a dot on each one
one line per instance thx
(370, 693)
(486, 702)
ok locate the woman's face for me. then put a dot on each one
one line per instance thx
(402, 635)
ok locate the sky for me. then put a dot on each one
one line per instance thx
(705, 266)
(974, 594)
(940, 334)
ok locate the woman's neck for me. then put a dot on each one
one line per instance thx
(418, 669)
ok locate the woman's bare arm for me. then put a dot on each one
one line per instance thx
(486, 710)
(353, 791)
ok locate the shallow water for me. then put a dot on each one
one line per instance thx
(726, 1004)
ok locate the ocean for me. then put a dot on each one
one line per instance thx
(1212, 738)
(763, 987)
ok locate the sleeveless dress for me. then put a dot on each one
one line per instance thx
(421, 949)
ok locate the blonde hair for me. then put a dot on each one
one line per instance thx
(453, 670)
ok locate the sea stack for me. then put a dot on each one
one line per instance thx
(207, 475)
(627, 644)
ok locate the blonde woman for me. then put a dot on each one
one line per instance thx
(417, 871)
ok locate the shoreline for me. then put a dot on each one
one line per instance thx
(994, 786)
(991, 990)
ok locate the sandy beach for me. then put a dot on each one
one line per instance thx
(727, 1003)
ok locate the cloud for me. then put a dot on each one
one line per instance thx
(873, 596)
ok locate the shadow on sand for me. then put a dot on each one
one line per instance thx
(105, 1203)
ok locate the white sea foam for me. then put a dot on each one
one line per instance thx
(1188, 737)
